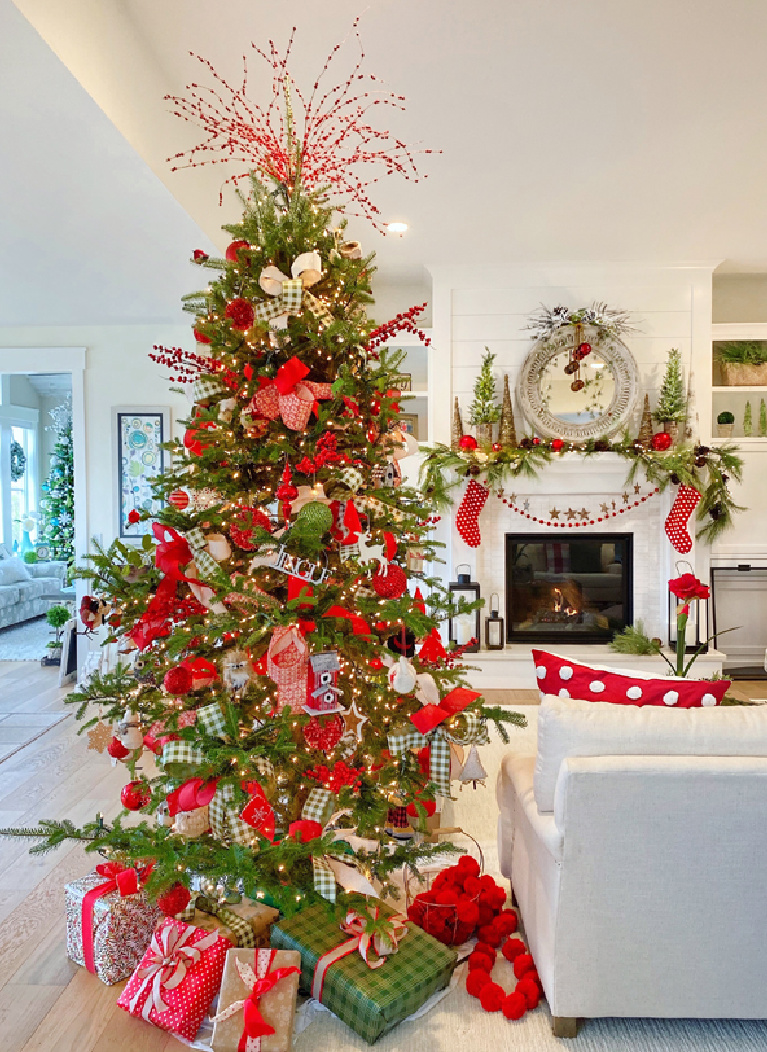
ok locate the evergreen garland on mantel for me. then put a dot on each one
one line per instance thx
(707, 470)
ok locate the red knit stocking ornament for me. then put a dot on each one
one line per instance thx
(467, 516)
(684, 505)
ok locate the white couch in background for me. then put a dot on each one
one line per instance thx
(635, 840)
(22, 585)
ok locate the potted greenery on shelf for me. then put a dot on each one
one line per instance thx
(725, 423)
(743, 362)
(56, 617)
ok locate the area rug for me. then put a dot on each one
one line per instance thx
(25, 642)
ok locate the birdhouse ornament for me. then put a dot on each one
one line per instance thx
(323, 692)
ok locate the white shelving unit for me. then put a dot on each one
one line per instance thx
(734, 398)
(417, 362)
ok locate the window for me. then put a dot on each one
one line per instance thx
(23, 488)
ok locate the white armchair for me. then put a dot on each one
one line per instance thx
(643, 890)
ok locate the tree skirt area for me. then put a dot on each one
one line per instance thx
(25, 642)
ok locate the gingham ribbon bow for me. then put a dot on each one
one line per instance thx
(207, 567)
(381, 943)
(290, 395)
(438, 741)
(327, 869)
(241, 929)
(167, 959)
(259, 982)
(288, 293)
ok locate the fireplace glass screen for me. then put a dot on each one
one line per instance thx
(577, 589)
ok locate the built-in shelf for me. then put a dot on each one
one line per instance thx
(733, 388)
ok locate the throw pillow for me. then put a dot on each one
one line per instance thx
(13, 570)
(573, 679)
(568, 727)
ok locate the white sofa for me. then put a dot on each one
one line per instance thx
(21, 598)
(642, 880)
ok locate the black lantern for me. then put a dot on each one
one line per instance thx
(494, 638)
(464, 626)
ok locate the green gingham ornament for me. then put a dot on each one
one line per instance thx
(211, 719)
(180, 752)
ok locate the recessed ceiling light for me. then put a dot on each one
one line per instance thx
(397, 228)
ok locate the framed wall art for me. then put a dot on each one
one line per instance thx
(139, 436)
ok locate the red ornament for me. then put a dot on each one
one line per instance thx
(557, 444)
(233, 250)
(661, 442)
(117, 750)
(199, 257)
(468, 442)
(134, 516)
(497, 447)
(536, 441)
(376, 664)
(174, 900)
(390, 582)
(179, 498)
(243, 524)
(135, 795)
(324, 734)
(201, 337)
(584, 349)
(429, 806)
(178, 680)
(241, 314)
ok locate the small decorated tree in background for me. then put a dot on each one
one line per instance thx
(762, 419)
(57, 504)
(483, 410)
(670, 410)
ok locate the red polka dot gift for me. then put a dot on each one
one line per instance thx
(572, 679)
(460, 902)
(178, 977)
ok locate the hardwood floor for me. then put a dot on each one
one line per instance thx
(47, 1003)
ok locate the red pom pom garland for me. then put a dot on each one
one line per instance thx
(457, 903)
(527, 992)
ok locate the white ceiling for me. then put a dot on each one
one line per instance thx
(593, 130)
(51, 385)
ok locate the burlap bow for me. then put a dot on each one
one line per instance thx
(167, 960)
(290, 395)
(373, 938)
(289, 294)
(439, 740)
(260, 982)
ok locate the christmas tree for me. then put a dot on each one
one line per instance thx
(483, 409)
(58, 503)
(671, 403)
(277, 659)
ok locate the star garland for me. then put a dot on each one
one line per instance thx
(578, 517)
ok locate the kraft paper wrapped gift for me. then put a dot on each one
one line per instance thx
(369, 1000)
(246, 973)
(109, 930)
(245, 923)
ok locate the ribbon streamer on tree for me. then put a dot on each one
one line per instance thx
(439, 741)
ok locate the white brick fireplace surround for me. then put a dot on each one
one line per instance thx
(474, 309)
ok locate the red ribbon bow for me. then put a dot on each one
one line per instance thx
(122, 879)
(290, 396)
(194, 793)
(430, 716)
(260, 981)
(171, 555)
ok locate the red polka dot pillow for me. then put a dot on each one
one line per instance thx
(572, 679)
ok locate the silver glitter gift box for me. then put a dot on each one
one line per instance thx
(122, 928)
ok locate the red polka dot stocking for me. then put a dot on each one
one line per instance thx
(684, 505)
(467, 516)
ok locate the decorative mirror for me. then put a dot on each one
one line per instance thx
(579, 381)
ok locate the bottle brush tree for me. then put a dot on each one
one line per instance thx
(671, 402)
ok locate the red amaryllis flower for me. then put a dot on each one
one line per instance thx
(688, 587)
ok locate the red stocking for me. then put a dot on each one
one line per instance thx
(467, 516)
(684, 505)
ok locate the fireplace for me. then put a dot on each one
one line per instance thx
(568, 589)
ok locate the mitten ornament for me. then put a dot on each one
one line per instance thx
(684, 505)
(467, 516)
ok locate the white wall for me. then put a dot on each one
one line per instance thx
(118, 372)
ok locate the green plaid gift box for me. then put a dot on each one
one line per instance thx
(369, 1000)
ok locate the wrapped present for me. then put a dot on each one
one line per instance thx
(259, 916)
(178, 977)
(371, 982)
(244, 923)
(258, 1001)
(109, 920)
